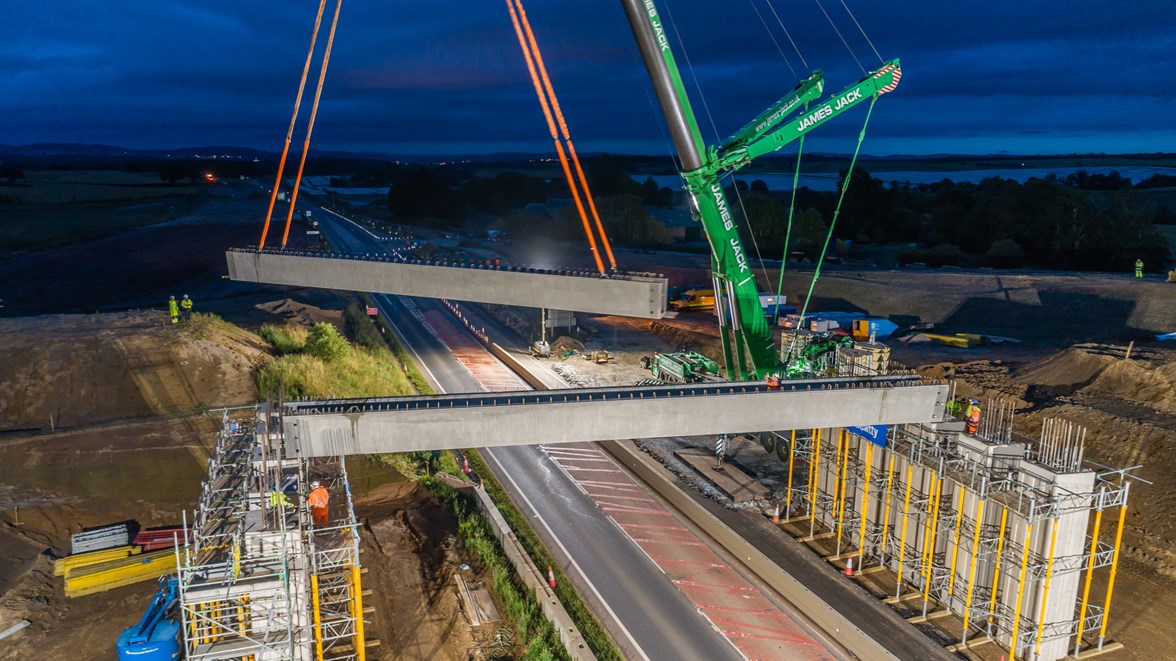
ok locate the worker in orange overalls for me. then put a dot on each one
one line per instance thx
(317, 500)
(773, 382)
(972, 423)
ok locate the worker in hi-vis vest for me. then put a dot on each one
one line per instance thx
(186, 308)
(173, 310)
(1139, 268)
(972, 423)
(317, 499)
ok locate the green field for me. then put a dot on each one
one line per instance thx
(58, 207)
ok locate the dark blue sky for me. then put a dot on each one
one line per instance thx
(1023, 76)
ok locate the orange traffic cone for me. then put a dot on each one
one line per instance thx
(465, 464)
(480, 485)
(849, 566)
(776, 514)
(550, 577)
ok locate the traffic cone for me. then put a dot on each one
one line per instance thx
(465, 464)
(480, 485)
(550, 577)
(849, 567)
(776, 514)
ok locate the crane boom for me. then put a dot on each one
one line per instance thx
(748, 348)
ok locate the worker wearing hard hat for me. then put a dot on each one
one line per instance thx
(186, 308)
(173, 310)
(972, 417)
(278, 499)
(317, 499)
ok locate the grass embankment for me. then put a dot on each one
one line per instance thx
(319, 362)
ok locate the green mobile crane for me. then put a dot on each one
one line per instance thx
(748, 348)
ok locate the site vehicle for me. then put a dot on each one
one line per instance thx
(157, 635)
(695, 299)
(682, 367)
(749, 352)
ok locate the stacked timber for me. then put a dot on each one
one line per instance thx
(110, 574)
(63, 566)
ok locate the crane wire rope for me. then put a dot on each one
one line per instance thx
(833, 222)
(788, 228)
(318, 20)
(859, 27)
(546, 93)
(787, 33)
(718, 138)
(839, 36)
(318, 92)
(771, 36)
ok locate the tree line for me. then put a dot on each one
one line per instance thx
(1082, 221)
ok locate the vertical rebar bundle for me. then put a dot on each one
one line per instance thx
(1062, 445)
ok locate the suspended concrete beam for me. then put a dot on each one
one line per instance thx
(407, 424)
(629, 295)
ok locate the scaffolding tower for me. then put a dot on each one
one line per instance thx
(258, 580)
(1002, 531)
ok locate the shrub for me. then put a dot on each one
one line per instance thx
(943, 254)
(1005, 253)
(325, 342)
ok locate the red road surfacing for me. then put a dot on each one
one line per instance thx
(740, 611)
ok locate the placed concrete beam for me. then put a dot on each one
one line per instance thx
(627, 295)
(571, 416)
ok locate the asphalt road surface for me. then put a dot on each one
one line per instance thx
(647, 616)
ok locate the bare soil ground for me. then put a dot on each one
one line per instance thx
(127, 441)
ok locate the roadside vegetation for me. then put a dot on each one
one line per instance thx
(535, 633)
(319, 362)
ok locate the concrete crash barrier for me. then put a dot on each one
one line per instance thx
(627, 295)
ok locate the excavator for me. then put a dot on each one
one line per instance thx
(749, 351)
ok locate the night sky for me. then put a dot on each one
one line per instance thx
(1020, 76)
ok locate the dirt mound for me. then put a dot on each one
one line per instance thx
(70, 370)
(300, 313)
(565, 343)
(1148, 377)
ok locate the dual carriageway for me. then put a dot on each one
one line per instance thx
(647, 572)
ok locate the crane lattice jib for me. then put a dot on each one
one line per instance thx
(748, 349)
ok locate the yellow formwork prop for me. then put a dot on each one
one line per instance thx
(932, 533)
(865, 506)
(886, 510)
(1089, 575)
(1053, 541)
(842, 478)
(788, 491)
(906, 513)
(117, 573)
(318, 618)
(955, 543)
(1020, 590)
(972, 566)
(1102, 632)
(814, 473)
(1000, 537)
(357, 604)
(63, 566)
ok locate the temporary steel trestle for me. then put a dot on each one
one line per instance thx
(259, 580)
